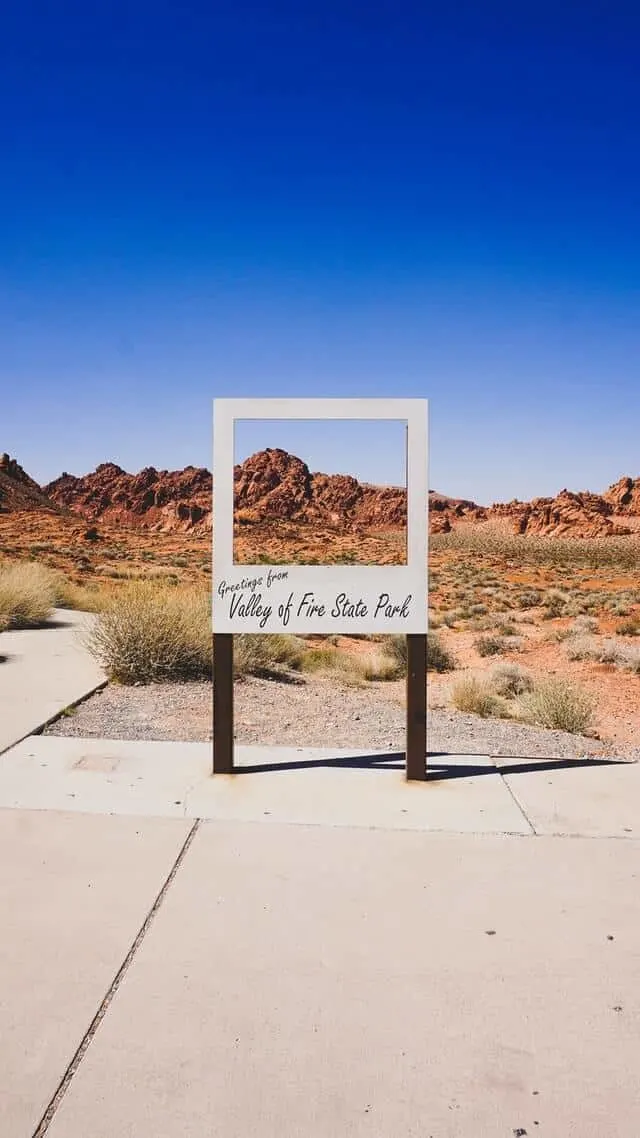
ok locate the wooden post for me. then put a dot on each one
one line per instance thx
(416, 707)
(222, 703)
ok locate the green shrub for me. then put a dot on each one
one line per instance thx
(147, 633)
(557, 704)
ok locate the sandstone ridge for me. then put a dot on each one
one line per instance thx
(19, 492)
(273, 486)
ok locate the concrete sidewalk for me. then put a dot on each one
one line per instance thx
(277, 980)
(325, 787)
(43, 671)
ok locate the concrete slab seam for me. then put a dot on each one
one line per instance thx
(81, 1050)
(52, 718)
(516, 801)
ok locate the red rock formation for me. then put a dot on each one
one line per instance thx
(624, 496)
(567, 515)
(19, 492)
(273, 485)
(153, 500)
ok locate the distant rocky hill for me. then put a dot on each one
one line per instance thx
(273, 486)
(19, 492)
(570, 515)
(153, 499)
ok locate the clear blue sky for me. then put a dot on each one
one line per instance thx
(440, 200)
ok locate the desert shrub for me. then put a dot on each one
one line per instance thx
(506, 628)
(582, 647)
(629, 627)
(27, 594)
(69, 595)
(438, 658)
(583, 625)
(382, 667)
(475, 696)
(529, 599)
(345, 666)
(489, 645)
(510, 680)
(526, 549)
(395, 648)
(611, 651)
(256, 654)
(148, 634)
(556, 704)
(631, 662)
(326, 657)
(555, 603)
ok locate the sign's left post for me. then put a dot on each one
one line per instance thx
(223, 703)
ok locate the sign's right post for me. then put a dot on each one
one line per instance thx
(416, 740)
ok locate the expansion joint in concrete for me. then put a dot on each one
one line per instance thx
(83, 1046)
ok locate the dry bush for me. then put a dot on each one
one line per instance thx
(438, 658)
(629, 627)
(556, 602)
(522, 549)
(604, 651)
(395, 648)
(509, 680)
(27, 594)
(489, 645)
(583, 626)
(82, 598)
(148, 634)
(529, 599)
(383, 667)
(259, 654)
(476, 697)
(326, 658)
(582, 648)
(558, 705)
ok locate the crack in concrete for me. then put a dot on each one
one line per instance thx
(81, 1050)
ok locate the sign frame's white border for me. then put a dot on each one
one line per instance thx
(408, 579)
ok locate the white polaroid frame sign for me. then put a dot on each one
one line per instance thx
(320, 598)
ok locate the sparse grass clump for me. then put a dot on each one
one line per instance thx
(476, 697)
(149, 634)
(395, 648)
(629, 627)
(258, 654)
(510, 680)
(583, 626)
(438, 659)
(27, 594)
(489, 645)
(558, 705)
(329, 659)
(529, 599)
(556, 603)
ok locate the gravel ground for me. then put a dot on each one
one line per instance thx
(316, 713)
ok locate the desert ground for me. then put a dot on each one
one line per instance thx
(506, 609)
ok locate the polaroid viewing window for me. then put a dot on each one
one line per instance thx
(320, 598)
